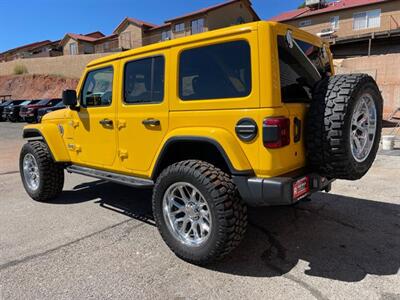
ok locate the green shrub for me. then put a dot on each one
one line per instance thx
(20, 69)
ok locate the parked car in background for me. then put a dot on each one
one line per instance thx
(43, 111)
(7, 108)
(12, 112)
(29, 112)
(2, 106)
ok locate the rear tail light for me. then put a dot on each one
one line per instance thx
(276, 132)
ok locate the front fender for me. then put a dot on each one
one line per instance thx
(52, 135)
(223, 139)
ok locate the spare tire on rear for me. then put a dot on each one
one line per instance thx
(344, 126)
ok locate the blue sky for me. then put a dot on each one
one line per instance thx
(24, 22)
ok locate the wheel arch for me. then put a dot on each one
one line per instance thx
(206, 148)
(52, 136)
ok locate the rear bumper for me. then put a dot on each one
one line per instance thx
(278, 190)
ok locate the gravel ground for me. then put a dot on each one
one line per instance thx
(98, 240)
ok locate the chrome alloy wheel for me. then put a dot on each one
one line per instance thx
(31, 172)
(363, 128)
(187, 214)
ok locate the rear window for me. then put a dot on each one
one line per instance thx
(215, 72)
(301, 67)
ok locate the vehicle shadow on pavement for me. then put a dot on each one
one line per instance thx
(115, 197)
(339, 237)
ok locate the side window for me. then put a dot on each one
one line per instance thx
(97, 90)
(144, 81)
(215, 72)
(301, 67)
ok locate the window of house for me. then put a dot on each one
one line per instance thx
(107, 46)
(215, 72)
(368, 19)
(305, 23)
(335, 22)
(73, 49)
(180, 27)
(144, 81)
(197, 26)
(301, 67)
(166, 35)
(88, 49)
(97, 89)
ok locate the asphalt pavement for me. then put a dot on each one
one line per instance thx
(98, 241)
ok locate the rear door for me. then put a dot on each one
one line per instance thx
(143, 110)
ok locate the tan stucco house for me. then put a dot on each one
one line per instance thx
(210, 18)
(39, 49)
(75, 44)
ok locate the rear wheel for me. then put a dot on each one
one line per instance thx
(43, 179)
(344, 126)
(198, 211)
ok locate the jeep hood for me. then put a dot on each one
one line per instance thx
(55, 115)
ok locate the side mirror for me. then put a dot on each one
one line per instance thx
(70, 98)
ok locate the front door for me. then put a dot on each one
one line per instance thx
(143, 111)
(94, 124)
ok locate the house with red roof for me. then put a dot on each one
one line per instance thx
(132, 33)
(354, 27)
(75, 44)
(38, 49)
(135, 33)
(221, 15)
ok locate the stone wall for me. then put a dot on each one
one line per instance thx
(385, 70)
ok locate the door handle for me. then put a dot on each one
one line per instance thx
(151, 122)
(106, 122)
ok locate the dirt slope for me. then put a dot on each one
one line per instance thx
(35, 86)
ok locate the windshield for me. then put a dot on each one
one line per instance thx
(43, 102)
(25, 102)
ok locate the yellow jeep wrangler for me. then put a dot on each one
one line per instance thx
(246, 115)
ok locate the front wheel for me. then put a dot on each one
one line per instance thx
(198, 211)
(43, 179)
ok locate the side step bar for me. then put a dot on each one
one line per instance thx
(113, 177)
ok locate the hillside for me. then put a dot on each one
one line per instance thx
(35, 86)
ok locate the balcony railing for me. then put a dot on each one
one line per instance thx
(151, 38)
(346, 29)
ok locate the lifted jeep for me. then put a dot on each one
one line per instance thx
(246, 115)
